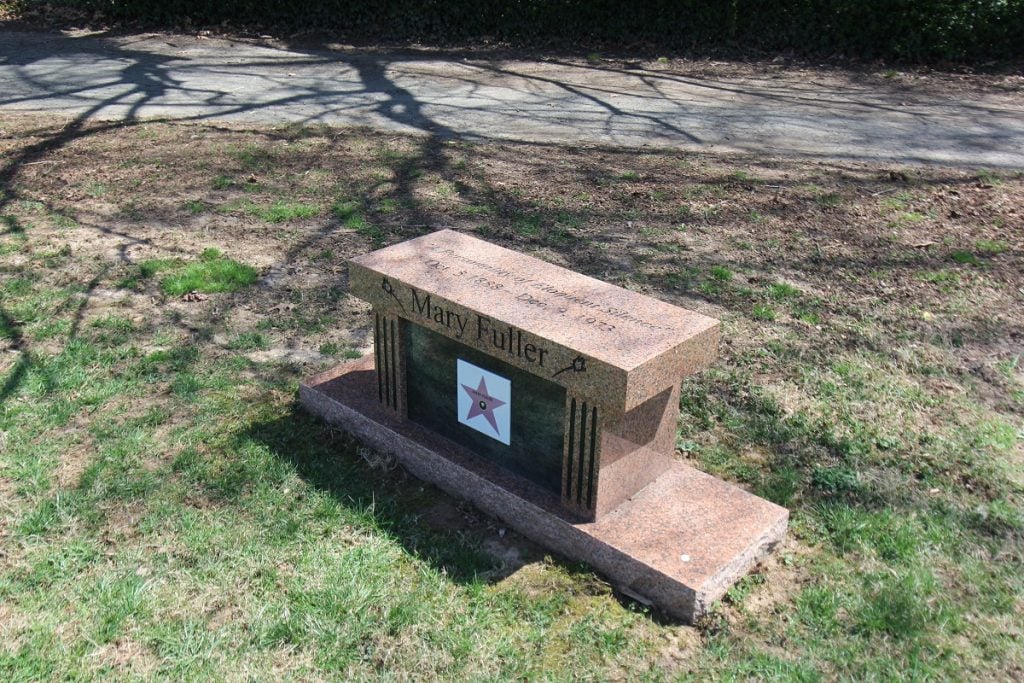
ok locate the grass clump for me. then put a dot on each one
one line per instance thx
(11, 224)
(828, 200)
(151, 267)
(195, 206)
(527, 225)
(898, 606)
(990, 247)
(281, 211)
(249, 341)
(336, 349)
(351, 215)
(114, 323)
(721, 273)
(213, 274)
(964, 257)
(782, 290)
(345, 209)
(939, 277)
(989, 177)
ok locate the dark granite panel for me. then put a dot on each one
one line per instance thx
(535, 447)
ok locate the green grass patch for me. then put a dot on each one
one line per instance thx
(527, 225)
(990, 177)
(351, 216)
(780, 291)
(909, 218)
(990, 247)
(249, 341)
(388, 206)
(11, 225)
(14, 243)
(254, 157)
(115, 323)
(50, 329)
(151, 267)
(964, 257)
(336, 349)
(345, 209)
(63, 221)
(947, 277)
(898, 201)
(17, 286)
(96, 189)
(214, 273)
(113, 330)
(196, 207)
(475, 210)
(282, 211)
(899, 606)
(720, 273)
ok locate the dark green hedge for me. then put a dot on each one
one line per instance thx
(903, 29)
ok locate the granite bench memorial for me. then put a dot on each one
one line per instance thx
(550, 400)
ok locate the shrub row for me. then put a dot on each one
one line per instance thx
(901, 29)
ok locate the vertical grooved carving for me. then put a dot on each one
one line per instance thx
(570, 452)
(581, 461)
(378, 357)
(593, 458)
(579, 466)
(386, 353)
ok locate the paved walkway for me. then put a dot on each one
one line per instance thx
(778, 113)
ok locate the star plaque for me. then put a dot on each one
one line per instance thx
(484, 401)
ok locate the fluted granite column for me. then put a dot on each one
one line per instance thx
(582, 455)
(390, 362)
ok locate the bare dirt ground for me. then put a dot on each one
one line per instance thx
(934, 251)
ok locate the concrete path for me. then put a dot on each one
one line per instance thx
(773, 112)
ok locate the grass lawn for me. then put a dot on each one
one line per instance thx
(169, 512)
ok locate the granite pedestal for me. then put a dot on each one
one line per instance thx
(549, 399)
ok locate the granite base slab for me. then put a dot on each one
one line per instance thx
(678, 544)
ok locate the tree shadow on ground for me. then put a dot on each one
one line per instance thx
(427, 522)
(465, 544)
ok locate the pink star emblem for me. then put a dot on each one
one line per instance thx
(483, 403)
